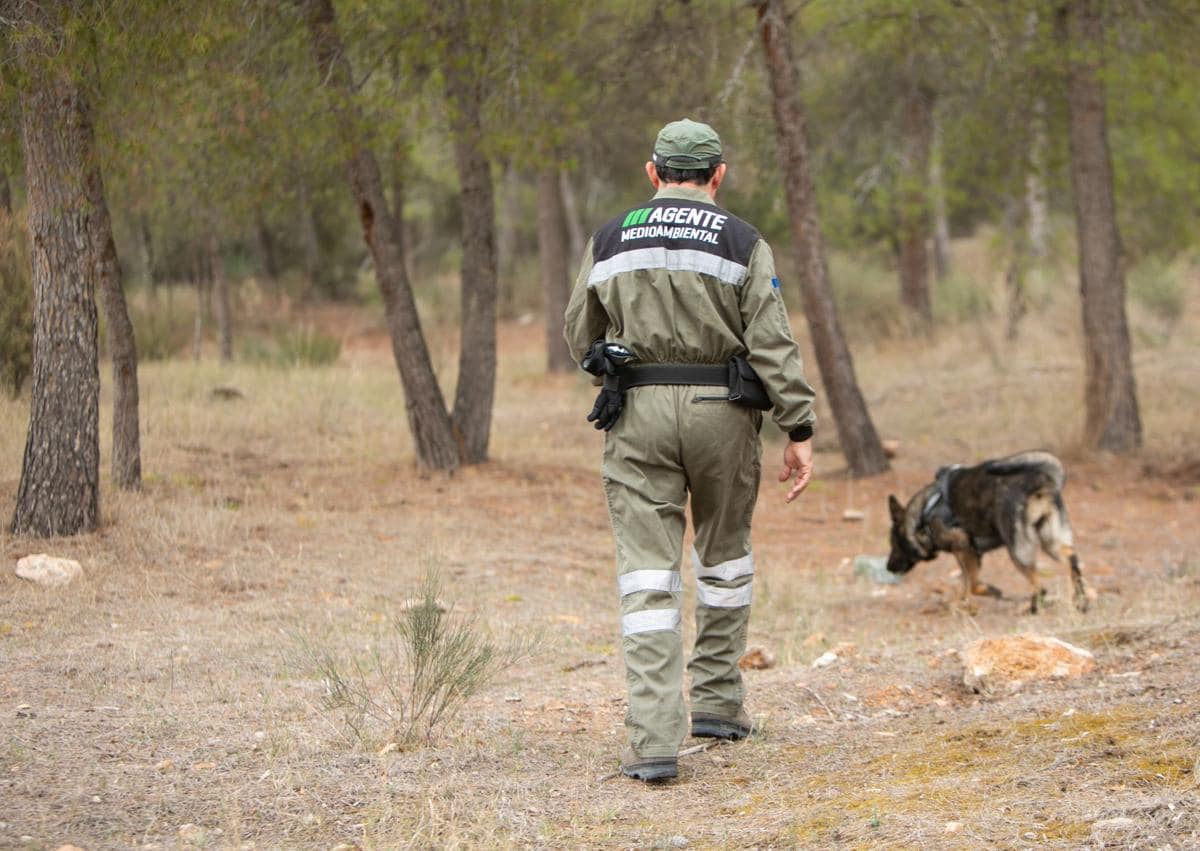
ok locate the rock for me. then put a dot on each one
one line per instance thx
(851, 515)
(825, 659)
(1114, 825)
(757, 658)
(190, 834)
(678, 842)
(952, 827)
(1004, 665)
(875, 569)
(48, 571)
(68, 848)
(891, 448)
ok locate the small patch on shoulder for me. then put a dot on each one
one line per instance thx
(775, 283)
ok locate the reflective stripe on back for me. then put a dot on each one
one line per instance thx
(671, 259)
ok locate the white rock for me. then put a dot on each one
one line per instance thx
(48, 570)
(953, 827)
(678, 842)
(1114, 824)
(825, 659)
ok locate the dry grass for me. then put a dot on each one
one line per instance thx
(162, 689)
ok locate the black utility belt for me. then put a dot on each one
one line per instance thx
(744, 385)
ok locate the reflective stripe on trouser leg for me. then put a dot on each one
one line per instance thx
(646, 491)
(724, 480)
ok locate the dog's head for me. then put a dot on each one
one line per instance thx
(911, 541)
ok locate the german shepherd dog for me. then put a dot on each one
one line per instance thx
(1014, 502)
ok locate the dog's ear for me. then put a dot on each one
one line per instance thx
(897, 510)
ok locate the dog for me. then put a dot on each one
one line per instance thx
(1014, 502)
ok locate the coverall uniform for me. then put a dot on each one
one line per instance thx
(679, 280)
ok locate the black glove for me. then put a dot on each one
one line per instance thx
(607, 410)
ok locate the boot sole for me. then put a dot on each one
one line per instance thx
(652, 770)
(716, 729)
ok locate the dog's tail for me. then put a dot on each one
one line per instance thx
(1024, 462)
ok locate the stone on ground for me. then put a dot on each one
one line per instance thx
(48, 571)
(1006, 664)
(757, 658)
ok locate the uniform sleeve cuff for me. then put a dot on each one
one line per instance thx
(800, 433)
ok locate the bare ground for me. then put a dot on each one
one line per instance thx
(165, 699)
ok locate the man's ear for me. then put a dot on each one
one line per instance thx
(717, 178)
(897, 509)
(652, 173)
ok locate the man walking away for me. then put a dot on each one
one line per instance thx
(678, 309)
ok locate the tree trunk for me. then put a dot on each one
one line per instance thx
(914, 204)
(1113, 422)
(860, 443)
(475, 393)
(122, 347)
(146, 247)
(199, 277)
(577, 241)
(220, 290)
(1035, 177)
(5, 193)
(59, 491)
(552, 252)
(433, 437)
(506, 237)
(937, 189)
(1035, 184)
(268, 256)
(310, 243)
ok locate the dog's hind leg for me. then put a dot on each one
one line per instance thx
(1054, 533)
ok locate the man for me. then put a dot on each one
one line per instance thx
(676, 288)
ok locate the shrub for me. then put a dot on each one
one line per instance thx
(289, 347)
(1159, 288)
(16, 306)
(418, 671)
(161, 332)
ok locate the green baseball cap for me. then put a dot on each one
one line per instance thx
(687, 144)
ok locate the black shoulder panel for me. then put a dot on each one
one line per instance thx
(676, 224)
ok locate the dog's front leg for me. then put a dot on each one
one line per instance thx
(968, 564)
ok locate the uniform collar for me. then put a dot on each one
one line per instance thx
(684, 193)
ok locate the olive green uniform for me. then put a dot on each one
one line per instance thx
(680, 281)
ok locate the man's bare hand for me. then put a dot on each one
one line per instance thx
(798, 461)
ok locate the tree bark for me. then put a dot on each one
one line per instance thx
(859, 440)
(552, 252)
(122, 346)
(59, 491)
(506, 237)
(1113, 422)
(5, 193)
(428, 421)
(222, 307)
(268, 256)
(914, 204)
(146, 247)
(576, 238)
(937, 191)
(475, 392)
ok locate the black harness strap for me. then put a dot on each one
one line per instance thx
(716, 375)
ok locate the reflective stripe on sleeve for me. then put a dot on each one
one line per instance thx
(650, 620)
(649, 580)
(732, 569)
(715, 597)
(671, 259)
